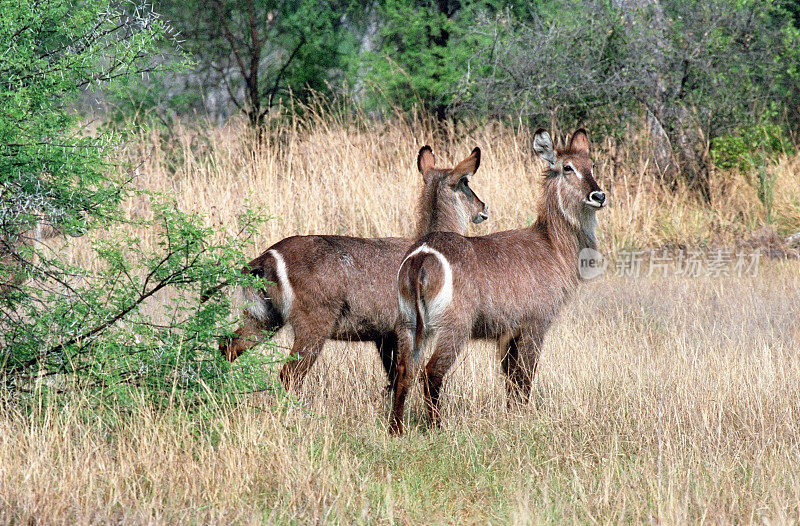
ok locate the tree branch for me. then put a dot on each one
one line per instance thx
(274, 90)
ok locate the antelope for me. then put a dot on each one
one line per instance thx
(343, 288)
(507, 287)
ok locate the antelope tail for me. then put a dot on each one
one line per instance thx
(419, 304)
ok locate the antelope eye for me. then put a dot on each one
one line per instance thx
(568, 168)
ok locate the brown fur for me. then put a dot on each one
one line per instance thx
(507, 287)
(343, 288)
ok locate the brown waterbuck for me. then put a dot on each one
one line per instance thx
(343, 288)
(507, 287)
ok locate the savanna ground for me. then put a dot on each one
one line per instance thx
(662, 399)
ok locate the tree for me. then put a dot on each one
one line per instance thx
(696, 70)
(261, 50)
(58, 318)
(50, 172)
(423, 50)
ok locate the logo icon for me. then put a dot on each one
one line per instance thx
(591, 264)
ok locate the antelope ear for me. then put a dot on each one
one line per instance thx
(468, 166)
(543, 146)
(425, 161)
(579, 142)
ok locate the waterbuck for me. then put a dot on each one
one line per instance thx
(507, 287)
(343, 288)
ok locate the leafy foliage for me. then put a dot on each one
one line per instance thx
(694, 70)
(261, 51)
(751, 151)
(135, 321)
(750, 147)
(422, 53)
(49, 170)
(131, 317)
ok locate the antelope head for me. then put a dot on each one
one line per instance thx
(449, 201)
(571, 175)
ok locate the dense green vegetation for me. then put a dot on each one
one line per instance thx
(59, 320)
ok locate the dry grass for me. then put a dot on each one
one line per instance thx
(350, 177)
(668, 400)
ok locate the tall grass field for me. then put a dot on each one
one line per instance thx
(661, 397)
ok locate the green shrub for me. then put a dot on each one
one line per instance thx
(133, 321)
(750, 147)
(751, 151)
